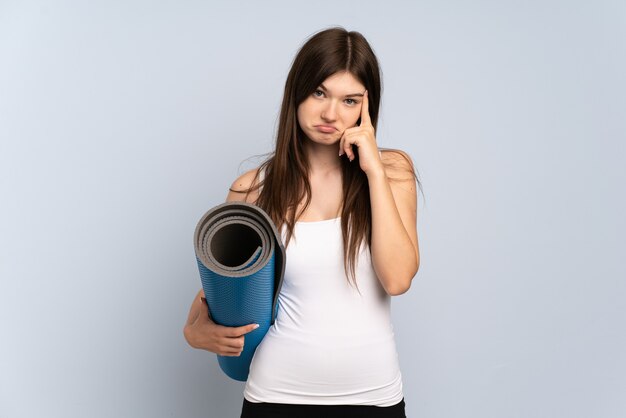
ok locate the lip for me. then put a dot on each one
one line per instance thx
(327, 129)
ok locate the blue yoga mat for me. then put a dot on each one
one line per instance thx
(241, 259)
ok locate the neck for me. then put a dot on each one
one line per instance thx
(322, 158)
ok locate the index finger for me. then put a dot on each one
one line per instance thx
(365, 113)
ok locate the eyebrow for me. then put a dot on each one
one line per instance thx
(347, 95)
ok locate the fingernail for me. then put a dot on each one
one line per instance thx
(256, 326)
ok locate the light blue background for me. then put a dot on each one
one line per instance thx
(122, 122)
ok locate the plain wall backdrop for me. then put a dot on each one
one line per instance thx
(122, 122)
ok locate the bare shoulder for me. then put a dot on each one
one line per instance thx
(239, 190)
(398, 164)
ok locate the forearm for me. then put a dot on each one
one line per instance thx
(394, 257)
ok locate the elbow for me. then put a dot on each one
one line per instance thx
(398, 290)
(399, 287)
(398, 281)
(188, 334)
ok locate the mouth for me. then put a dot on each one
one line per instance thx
(327, 129)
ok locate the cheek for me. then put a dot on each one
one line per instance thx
(353, 116)
(303, 112)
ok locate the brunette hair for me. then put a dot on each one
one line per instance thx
(286, 181)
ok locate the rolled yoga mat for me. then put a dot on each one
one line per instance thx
(241, 259)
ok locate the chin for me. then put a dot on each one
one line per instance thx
(319, 139)
(325, 140)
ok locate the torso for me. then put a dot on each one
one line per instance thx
(330, 344)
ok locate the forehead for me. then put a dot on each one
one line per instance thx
(343, 83)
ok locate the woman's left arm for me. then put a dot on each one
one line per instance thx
(395, 249)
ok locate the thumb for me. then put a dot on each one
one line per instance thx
(243, 330)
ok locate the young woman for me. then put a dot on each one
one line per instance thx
(348, 214)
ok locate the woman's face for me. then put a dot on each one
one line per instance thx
(332, 108)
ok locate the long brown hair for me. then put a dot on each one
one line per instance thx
(286, 181)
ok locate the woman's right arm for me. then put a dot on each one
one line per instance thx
(200, 331)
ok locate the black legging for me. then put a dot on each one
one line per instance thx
(277, 410)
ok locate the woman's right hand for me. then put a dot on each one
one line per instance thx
(201, 332)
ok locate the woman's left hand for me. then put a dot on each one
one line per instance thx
(364, 138)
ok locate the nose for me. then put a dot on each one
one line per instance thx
(329, 113)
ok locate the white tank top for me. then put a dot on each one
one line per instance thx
(329, 344)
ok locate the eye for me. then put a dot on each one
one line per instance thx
(353, 102)
(317, 91)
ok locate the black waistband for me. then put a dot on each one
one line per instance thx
(267, 409)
